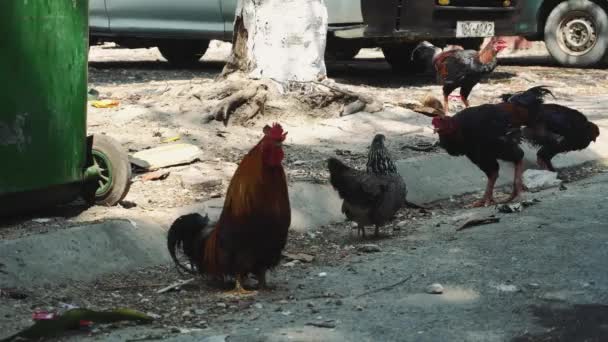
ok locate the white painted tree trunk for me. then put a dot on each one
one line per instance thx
(282, 40)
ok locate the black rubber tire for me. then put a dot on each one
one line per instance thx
(400, 58)
(341, 52)
(562, 55)
(120, 168)
(183, 52)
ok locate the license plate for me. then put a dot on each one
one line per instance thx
(465, 29)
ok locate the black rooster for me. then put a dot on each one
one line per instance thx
(558, 129)
(490, 132)
(371, 197)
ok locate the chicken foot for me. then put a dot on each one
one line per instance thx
(518, 182)
(239, 290)
(488, 196)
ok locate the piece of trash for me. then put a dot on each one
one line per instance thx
(49, 325)
(105, 103)
(175, 285)
(92, 94)
(155, 175)
(529, 203)
(536, 180)
(166, 155)
(478, 222)
(510, 208)
(172, 139)
(41, 220)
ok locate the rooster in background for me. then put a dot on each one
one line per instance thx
(490, 132)
(463, 69)
(252, 229)
(371, 197)
(558, 129)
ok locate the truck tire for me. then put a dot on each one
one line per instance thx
(576, 33)
(341, 51)
(115, 167)
(400, 57)
(183, 52)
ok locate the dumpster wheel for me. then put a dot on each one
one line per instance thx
(114, 172)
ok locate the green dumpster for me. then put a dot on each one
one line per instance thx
(46, 156)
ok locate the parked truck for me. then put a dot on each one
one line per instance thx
(574, 31)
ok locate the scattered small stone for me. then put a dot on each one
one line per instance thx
(127, 204)
(435, 288)
(323, 274)
(200, 312)
(529, 203)
(258, 305)
(221, 305)
(369, 248)
(291, 263)
(359, 308)
(299, 257)
(339, 302)
(286, 313)
(298, 162)
(326, 324)
(534, 286)
(186, 313)
(310, 304)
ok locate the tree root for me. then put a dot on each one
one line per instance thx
(248, 102)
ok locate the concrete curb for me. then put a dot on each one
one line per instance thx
(82, 253)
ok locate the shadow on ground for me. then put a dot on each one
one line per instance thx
(580, 322)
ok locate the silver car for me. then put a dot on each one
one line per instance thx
(182, 29)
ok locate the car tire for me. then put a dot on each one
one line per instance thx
(183, 52)
(576, 33)
(400, 58)
(343, 52)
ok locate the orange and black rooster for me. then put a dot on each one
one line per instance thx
(558, 129)
(252, 229)
(490, 132)
(465, 68)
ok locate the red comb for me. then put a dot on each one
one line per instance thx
(276, 132)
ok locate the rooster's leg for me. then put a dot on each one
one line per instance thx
(239, 290)
(518, 183)
(377, 231)
(361, 228)
(488, 196)
(262, 284)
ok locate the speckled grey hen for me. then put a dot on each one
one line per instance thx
(371, 197)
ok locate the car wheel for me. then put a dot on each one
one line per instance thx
(400, 57)
(341, 51)
(183, 52)
(576, 33)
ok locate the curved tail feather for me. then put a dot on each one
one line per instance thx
(188, 233)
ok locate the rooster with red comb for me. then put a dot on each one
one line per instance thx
(252, 229)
